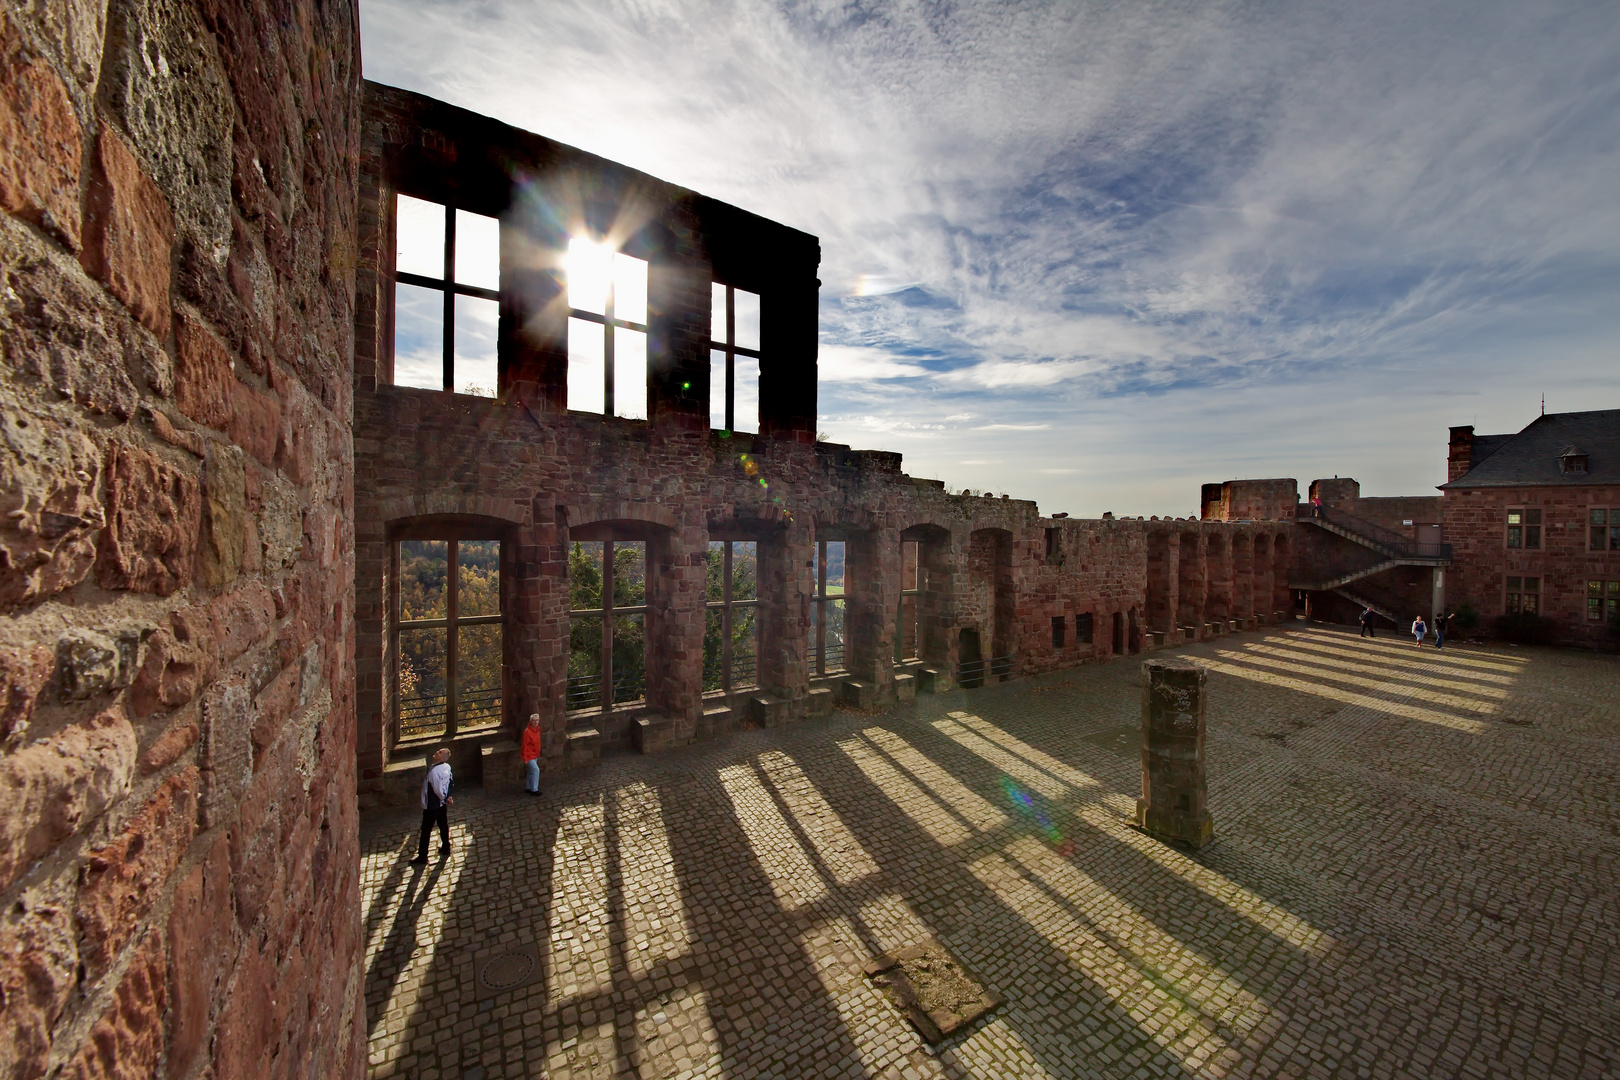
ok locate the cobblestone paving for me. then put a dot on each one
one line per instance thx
(1416, 874)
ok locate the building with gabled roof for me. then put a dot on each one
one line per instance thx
(1534, 521)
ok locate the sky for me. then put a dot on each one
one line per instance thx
(1098, 254)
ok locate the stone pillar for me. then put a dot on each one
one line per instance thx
(1218, 599)
(1242, 576)
(373, 568)
(1173, 805)
(676, 571)
(871, 598)
(1281, 564)
(944, 571)
(1263, 590)
(786, 582)
(1437, 594)
(537, 627)
(1192, 572)
(1163, 581)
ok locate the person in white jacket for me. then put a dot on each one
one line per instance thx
(436, 802)
(1420, 630)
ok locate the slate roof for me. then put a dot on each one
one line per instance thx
(1530, 458)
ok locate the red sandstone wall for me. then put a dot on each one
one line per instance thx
(178, 854)
(1475, 524)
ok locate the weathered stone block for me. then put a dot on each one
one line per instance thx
(120, 882)
(163, 80)
(154, 514)
(24, 674)
(128, 231)
(651, 734)
(1172, 806)
(819, 701)
(50, 508)
(225, 514)
(168, 747)
(171, 675)
(55, 787)
(128, 1039)
(88, 663)
(39, 961)
(861, 695)
(905, 687)
(226, 746)
(584, 748)
(202, 372)
(501, 767)
(198, 961)
(41, 147)
(768, 710)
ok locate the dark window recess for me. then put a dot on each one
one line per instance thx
(1605, 529)
(1523, 596)
(1054, 544)
(1058, 623)
(1602, 600)
(1524, 529)
(1082, 628)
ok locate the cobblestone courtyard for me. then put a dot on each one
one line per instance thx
(1416, 873)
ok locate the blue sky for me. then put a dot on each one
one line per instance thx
(1097, 254)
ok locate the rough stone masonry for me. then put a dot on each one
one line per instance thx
(178, 849)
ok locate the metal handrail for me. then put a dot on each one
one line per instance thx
(995, 666)
(1375, 535)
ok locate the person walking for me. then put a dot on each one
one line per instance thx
(1441, 622)
(530, 752)
(436, 802)
(1419, 630)
(1366, 623)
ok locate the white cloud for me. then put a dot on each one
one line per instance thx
(1167, 244)
(845, 363)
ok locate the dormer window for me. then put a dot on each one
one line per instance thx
(1572, 461)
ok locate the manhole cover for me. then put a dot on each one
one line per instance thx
(505, 972)
(508, 969)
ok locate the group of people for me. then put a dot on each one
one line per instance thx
(1420, 629)
(436, 786)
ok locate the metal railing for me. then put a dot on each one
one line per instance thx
(1390, 542)
(428, 714)
(585, 691)
(972, 673)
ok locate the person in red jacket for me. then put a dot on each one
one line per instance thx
(530, 752)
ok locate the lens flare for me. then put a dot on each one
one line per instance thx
(1025, 805)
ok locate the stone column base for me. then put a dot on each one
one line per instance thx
(1175, 826)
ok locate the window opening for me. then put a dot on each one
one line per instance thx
(1054, 544)
(1602, 600)
(1524, 529)
(1082, 628)
(1523, 596)
(607, 330)
(447, 269)
(733, 359)
(908, 635)
(1058, 624)
(607, 641)
(1605, 529)
(827, 609)
(731, 618)
(447, 636)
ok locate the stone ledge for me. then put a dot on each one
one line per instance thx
(653, 733)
